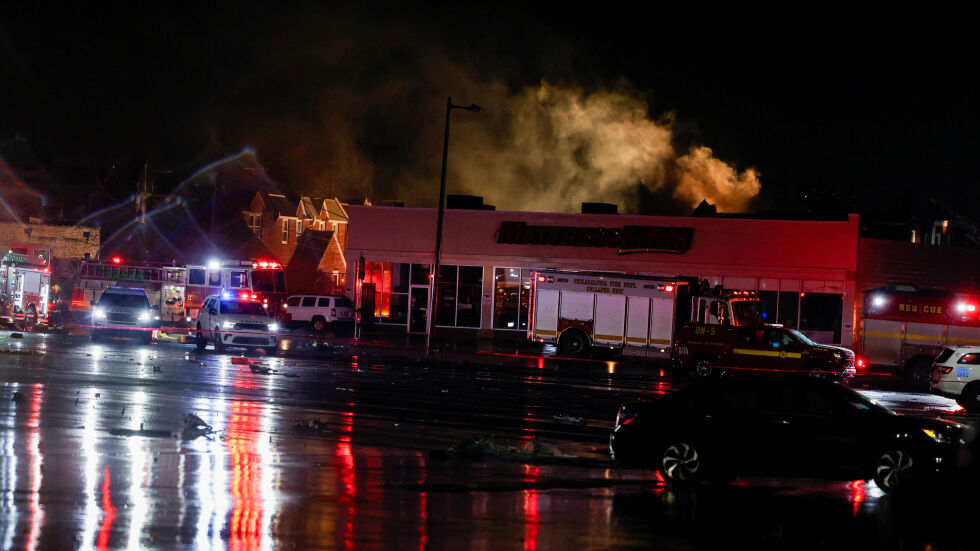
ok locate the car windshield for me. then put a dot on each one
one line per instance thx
(801, 337)
(242, 307)
(747, 312)
(125, 301)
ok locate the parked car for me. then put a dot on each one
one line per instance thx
(125, 312)
(772, 425)
(956, 374)
(320, 311)
(231, 320)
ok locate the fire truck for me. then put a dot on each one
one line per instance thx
(179, 291)
(25, 281)
(637, 315)
(905, 327)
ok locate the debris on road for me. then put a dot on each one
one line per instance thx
(311, 425)
(239, 361)
(259, 368)
(149, 433)
(194, 427)
(16, 335)
(568, 419)
(486, 446)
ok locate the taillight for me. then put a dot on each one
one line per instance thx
(859, 362)
(944, 369)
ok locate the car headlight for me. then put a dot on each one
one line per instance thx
(937, 436)
(837, 355)
(228, 324)
(144, 316)
(273, 327)
(98, 313)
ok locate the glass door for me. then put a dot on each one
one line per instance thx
(418, 308)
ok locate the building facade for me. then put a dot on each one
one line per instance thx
(804, 271)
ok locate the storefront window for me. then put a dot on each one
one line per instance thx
(458, 300)
(511, 297)
(769, 299)
(789, 308)
(820, 316)
(388, 284)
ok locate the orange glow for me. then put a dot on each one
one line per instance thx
(532, 520)
(857, 495)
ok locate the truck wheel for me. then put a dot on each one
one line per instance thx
(704, 370)
(917, 373)
(219, 346)
(574, 343)
(970, 398)
(319, 324)
(30, 317)
(199, 341)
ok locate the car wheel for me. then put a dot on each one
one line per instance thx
(319, 324)
(574, 343)
(970, 398)
(917, 373)
(199, 341)
(895, 470)
(703, 369)
(219, 346)
(680, 463)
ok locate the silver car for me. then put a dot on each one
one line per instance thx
(956, 374)
(124, 311)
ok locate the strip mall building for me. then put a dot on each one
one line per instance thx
(804, 271)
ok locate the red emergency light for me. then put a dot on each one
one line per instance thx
(859, 362)
(669, 288)
(541, 279)
(117, 260)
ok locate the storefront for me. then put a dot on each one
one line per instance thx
(804, 271)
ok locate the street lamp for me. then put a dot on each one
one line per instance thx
(442, 201)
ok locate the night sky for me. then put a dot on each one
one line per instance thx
(615, 103)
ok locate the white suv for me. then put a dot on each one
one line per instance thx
(124, 311)
(230, 320)
(956, 373)
(320, 311)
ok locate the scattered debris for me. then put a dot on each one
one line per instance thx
(486, 446)
(239, 361)
(194, 427)
(156, 369)
(259, 368)
(569, 419)
(98, 394)
(150, 433)
(16, 335)
(311, 425)
(17, 397)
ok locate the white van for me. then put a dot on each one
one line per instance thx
(320, 311)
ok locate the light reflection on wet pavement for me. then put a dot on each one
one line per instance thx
(378, 472)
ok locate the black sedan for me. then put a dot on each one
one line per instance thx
(783, 426)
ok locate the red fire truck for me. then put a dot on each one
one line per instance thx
(25, 281)
(638, 315)
(905, 327)
(179, 291)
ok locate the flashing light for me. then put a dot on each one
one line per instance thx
(859, 362)
(878, 301)
(213, 264)
(971, 307)
(265, 264)
(252, 295)
(966, 307)
(117, 260)
(541, 279)
(98, 313)
(145, 316)
(802, 295)
(228, 324)
(669, 288)
(273, 327)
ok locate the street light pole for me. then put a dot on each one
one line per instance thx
(434, 283)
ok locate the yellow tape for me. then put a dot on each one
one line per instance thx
(545, 332)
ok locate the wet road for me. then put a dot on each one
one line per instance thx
(341, 452)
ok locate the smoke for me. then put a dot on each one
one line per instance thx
(359, 112)
(561, 146)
